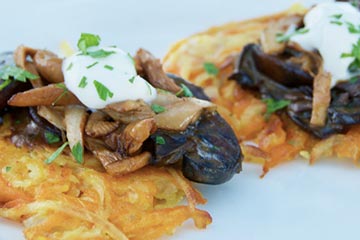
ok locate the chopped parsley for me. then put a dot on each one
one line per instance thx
(157, 108)
(69, 67)
(91, 65)
(88, 40)
(185, 91)
(281, 37)
(211, 69)
(103, 91)
(336, 16)
(352, 28)
(78, 152)
(7, 169)
(131, 58)
(160, 140)
(100, 53)
(336, 22)
(51, 137)
(272, 105)
(132, 79)
(83, 82)
(108, 67)
(53, 156)
(355, 53)
(16, 73)
(65, 91)
(354, 79)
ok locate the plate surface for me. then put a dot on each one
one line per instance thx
(294, 201)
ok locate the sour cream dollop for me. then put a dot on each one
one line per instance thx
(328, 25)
(115, 75)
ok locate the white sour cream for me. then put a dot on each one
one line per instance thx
(115, 72)
(328, 33)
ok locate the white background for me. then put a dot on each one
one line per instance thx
(294, 201)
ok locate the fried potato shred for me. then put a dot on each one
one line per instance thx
(66, 200)
(269, 141)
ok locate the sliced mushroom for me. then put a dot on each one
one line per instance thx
(49, 95)
(49, 66)
(321, 98)
(153, 71)
(75, 119)
(180, 114)
(129, 111)
(99, 124)
(129, 164)
(114, 163)
(20, 55)
(131, 138)
(52, 115)
(268, 36)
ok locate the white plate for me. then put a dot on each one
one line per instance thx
(294, 201)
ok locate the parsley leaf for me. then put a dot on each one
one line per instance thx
(78, 152)
(51, 137)
(211, 69)
(157, 108)
(4, 84)
(53, 156)
(336, 16)
(69, 67)
(102, 91)
(132, 79)
(273, 105)
(355, 53)
(83, 82)
(131, 58)
(185, 91)
(160, 140)
(100, 53)
(354, 79)
(7, 169)
(281, 37)
(352, 28)
(336, 22)
(88, 40)
(16, 73)
(91, 65)
(108, 67)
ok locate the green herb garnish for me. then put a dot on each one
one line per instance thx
(4, 84)
(352, 28)
(83, 82)
(91, 65)
(53, 156)
(69, 67)
(185, 91)
(78, 152)
(355, 53)
(12, 72)
(108, 67)
(65, 91)
(88, 40)
(7, 169)
(272, 105)
(51, 137)
(132, 79)
(336, 16)
(354, 79)
(100, 53)
(336, 22)
(211, 69)
(281, 37)
(160, 140)
(103, 91)
(131, 58)
(157, 108)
